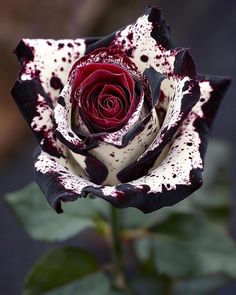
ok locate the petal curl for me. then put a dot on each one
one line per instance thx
(178, 175)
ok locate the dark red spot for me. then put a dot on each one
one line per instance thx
(55, 83)
(119, 194)
(60, 45)
(130, 36)
(63, 59)
(129, 52)
(96, 170)
(144, 58)
(70, 134)
(24, 51)
(49, 43)
(70, 45)
(61, 101)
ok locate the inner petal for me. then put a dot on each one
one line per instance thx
(105, 100)
(110, 106)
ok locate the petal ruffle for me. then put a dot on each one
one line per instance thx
(174, 179)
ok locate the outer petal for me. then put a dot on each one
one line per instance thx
(33, 103)
(49, 61)
(182, 91)
(146, 42)
(174, 179)
(45, 66)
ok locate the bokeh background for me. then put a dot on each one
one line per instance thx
(208, 27)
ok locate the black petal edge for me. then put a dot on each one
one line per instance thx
(101, 42)
(154, 78)
(147, 202)
(139, 168)
(161, 30)
(21, 92)
(219, 85)
(24, 52)
(128, 195)
(184, 64)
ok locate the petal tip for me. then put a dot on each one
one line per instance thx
(160, 30)
(23, 51)
(184, 64)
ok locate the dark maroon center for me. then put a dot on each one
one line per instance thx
(104, 96)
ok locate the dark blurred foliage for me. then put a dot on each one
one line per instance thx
(208, 27)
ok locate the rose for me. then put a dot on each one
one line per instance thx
(125, 117)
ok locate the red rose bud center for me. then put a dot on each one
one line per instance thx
(104, 96)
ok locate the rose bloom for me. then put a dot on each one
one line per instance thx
(125, 117)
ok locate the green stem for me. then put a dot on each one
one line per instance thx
(119, 281)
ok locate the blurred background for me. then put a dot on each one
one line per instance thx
(207, 27)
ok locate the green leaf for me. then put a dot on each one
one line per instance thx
(149, 286)
(93, 284)
(42, 223)
(203, 286)
(143, 248)
(190, 246)
(58, 268)
(217, 158)
(133, 218)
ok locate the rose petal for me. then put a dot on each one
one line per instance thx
(146, 42)
(49, 61)
(133, 138)
(37, 87)
(64, 107)
(177, 177)
(33, 103)
(155, 78)
(183, 93)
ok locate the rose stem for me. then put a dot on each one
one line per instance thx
(120, 281)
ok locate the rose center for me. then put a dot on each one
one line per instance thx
(104, 97)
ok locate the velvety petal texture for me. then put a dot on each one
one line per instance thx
(125, 117)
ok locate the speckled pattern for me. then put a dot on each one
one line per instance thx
(49, 61)
(156, 159)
